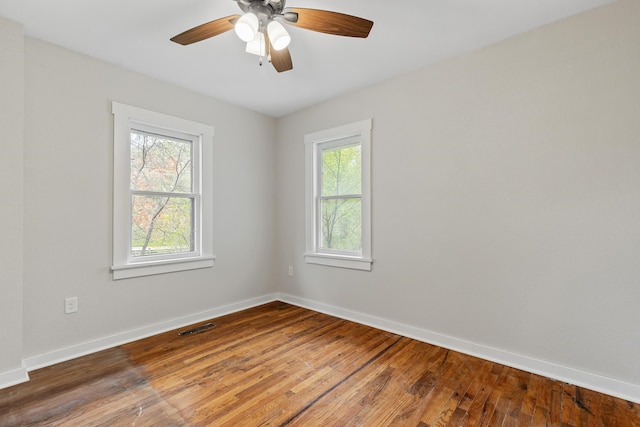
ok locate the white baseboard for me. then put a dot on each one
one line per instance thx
(606, 385)
(610, 386)
(13, 377)
(82, 349)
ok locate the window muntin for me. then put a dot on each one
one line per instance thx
(338, 203)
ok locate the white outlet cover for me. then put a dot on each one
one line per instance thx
(70, 305)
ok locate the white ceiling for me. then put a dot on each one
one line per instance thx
(406, 35)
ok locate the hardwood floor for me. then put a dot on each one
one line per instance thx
(281, 365)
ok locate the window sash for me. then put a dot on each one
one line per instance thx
(320, 248)
(194, 229)
(195, 250)
(320, 148)
(342, 144)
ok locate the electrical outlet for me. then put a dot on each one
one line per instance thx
(70, 305)
(291, 270)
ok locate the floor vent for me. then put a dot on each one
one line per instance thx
(197, 329)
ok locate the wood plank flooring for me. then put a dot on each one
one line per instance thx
(281, 365)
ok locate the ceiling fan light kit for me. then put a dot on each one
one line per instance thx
(257, 46)
(247, 27)
(279, 37)
(261, 28)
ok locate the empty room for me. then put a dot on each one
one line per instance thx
(324, 213)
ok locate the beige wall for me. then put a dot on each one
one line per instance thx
(506, 202)
(68, 203)
(11, 182)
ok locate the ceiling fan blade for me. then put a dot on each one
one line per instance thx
(204, 31)
(324, 21)
(280, 59)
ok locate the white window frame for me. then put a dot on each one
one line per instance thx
(314, 143)
(126, 118)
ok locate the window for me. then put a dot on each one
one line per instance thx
(162, 219)
(338, 207)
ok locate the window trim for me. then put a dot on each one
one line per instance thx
(314, 142)
(126, 117)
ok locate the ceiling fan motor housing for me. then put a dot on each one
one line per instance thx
(263, 9)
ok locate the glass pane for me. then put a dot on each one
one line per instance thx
(341, 224)
(161, 225)
(341, 171)
(159, 163)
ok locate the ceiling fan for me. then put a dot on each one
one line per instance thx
(261, 27)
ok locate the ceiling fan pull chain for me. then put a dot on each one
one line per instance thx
(265, 43)
(268, 49)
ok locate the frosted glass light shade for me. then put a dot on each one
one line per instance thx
(278, 35)
(247, 27)
(257, 45)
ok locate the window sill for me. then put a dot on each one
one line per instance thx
(160, 267)
(341, 261)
